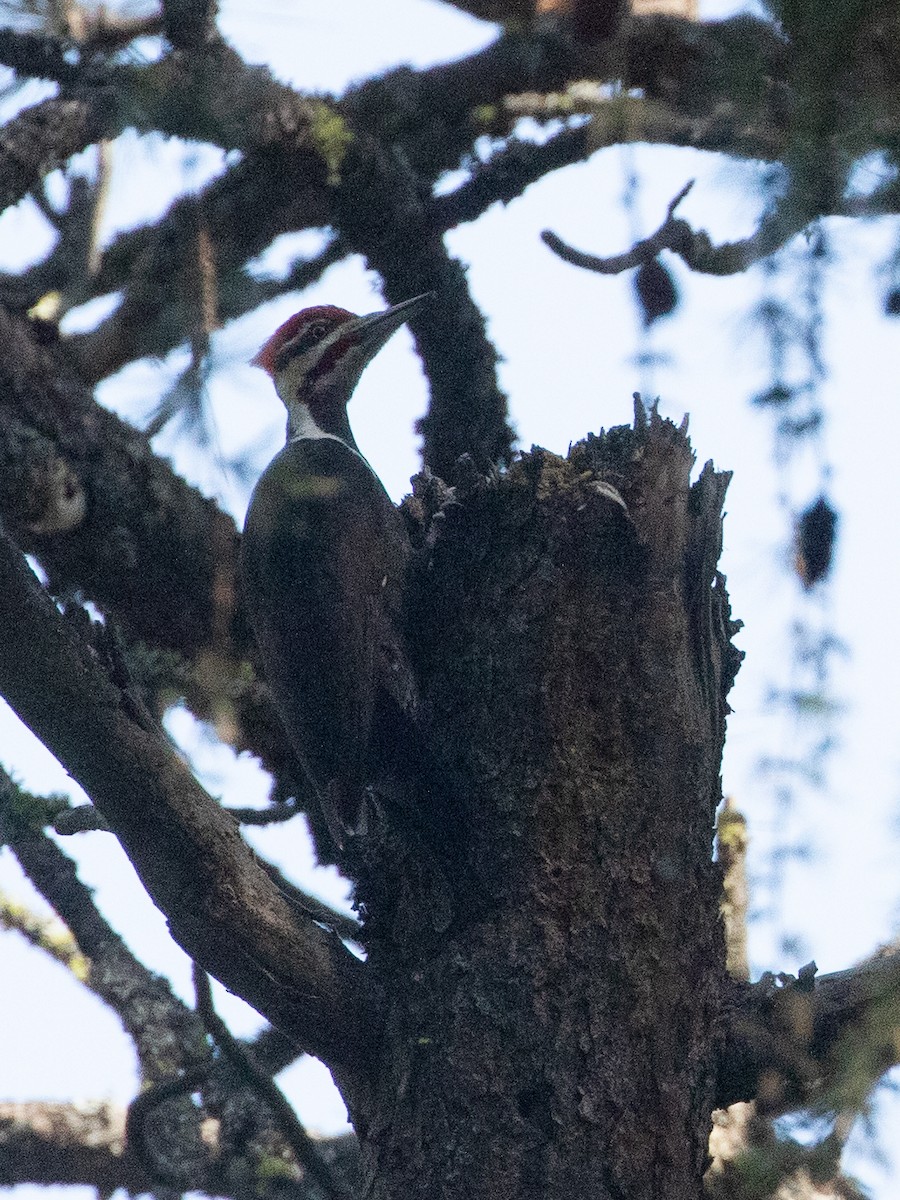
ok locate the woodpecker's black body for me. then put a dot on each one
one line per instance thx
(324, 559)
(327, 552)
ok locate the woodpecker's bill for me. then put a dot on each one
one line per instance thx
(324, 557)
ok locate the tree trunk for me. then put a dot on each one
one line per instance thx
(550, 951)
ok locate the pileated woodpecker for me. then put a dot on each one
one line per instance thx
(324, 557)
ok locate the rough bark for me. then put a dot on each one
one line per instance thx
(547, 949)
(551, 954)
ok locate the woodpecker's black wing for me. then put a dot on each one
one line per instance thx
(324, 556)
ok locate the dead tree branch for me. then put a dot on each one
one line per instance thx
(695, 248)
(803, 1039)
(221, 905)
(731, 851)
(41, 138)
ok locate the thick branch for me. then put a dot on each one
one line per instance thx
(42, 56)
(137, 539)
(210, 94)
(428, 114)
(47, 1143)
(574, 642)
(812, 1035)
(44, 1143)
(628, 119)
(221, 905)
(41, 138)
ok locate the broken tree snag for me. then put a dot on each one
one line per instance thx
(549, 946)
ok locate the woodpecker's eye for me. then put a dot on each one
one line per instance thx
(304, 341)
(310, 336)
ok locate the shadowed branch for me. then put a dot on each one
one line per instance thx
(221, 905)
(793, 1042)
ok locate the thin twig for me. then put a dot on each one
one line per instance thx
(304, 1147)
(695, 247)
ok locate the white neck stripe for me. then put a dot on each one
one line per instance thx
(303, 427)
(314, 433)
(321, 436)
(302, 424)
(332, 437)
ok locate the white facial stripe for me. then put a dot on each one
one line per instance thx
(297, 371)
(313, 356)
